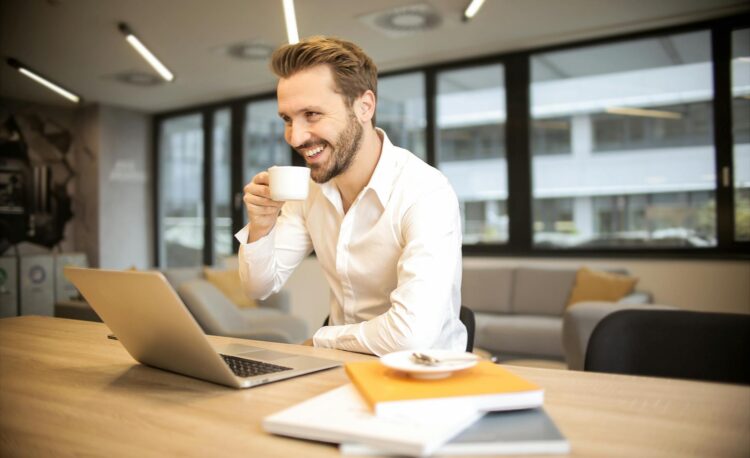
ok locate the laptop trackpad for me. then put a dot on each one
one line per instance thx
(237, 349)
(263, 355)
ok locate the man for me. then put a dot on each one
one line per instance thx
(384, 225)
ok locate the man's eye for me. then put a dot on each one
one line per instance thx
(312, 114)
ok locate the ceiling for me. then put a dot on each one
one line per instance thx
(76, 42)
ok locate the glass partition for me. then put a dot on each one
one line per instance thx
(181, 191)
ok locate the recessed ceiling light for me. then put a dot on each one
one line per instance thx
(404, 20)
(137, 78)
(251, 51)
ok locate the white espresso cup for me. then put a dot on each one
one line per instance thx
(288, 182)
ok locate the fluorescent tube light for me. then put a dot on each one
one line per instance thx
(630, 111)
(291, 22)
(24, 70)
(472, 9)
(145, 53)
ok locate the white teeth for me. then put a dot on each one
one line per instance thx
(313, 152)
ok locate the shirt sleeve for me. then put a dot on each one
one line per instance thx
(266, 264)
(424, 301)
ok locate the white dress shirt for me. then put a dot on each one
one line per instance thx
(393, 261)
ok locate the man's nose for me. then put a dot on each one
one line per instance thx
(297, 135)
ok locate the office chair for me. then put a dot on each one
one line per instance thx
(466, 315)
(672, 343)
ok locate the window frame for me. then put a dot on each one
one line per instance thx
(518, 133)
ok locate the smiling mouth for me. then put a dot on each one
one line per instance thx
(313, 153)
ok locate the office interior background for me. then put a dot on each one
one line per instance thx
(575, 133)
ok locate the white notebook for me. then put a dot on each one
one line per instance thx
(520, 432)
(341, 415)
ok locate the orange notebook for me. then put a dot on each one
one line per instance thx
(485, 387)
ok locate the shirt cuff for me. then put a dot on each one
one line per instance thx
(346, 337)
(261, 247)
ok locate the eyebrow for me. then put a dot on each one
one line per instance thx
(302, 110)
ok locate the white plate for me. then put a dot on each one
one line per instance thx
(402, 361)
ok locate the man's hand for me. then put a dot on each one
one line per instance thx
(262, 212)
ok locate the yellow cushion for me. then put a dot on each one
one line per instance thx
(600, 286)
(228, 282)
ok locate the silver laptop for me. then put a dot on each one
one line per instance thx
(156, 328)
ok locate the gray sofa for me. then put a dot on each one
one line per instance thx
(519, 310)
(217, 315)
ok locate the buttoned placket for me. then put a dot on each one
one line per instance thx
(343, 255)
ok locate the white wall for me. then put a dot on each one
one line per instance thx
(715, 286)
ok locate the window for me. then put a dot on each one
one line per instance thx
(471, 148)
(660, 127)
(222, 189)
(647, 104)
(614, 149)
(264, 144)
(741, 132)
(181, 196)
(550, 136)
(401, 111)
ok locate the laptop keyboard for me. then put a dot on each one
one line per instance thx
(247, 367)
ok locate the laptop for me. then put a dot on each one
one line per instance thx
(153, 324)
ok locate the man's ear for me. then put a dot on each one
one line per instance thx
(364, 106)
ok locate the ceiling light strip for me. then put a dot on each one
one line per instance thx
(291, 22)
(145, 53)
(472, 9)
(24, 70)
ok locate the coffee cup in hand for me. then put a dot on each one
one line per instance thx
(288, 182)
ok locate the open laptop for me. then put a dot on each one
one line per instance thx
(156, 328)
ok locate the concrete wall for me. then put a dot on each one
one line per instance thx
(111, 188)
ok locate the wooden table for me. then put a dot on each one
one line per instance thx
(65, 389)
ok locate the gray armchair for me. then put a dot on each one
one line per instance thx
(217, 315)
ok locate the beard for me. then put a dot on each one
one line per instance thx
(343, 152)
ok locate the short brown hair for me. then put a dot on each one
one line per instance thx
(353, 70)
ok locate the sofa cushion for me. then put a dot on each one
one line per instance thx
(519, 334)
(487, 289)
(600, 286)
(540, 291)
(179, 275)
(229, 283)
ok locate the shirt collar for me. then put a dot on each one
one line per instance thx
(381, 181)
(382, 178)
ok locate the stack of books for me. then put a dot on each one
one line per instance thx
(484, 410)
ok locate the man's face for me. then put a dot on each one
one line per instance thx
(320, 125)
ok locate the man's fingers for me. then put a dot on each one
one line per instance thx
(254, 199)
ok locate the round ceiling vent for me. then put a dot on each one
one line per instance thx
(409, 19)
(138, 78)
(251, 51)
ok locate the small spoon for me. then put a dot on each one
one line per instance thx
(427, 360)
